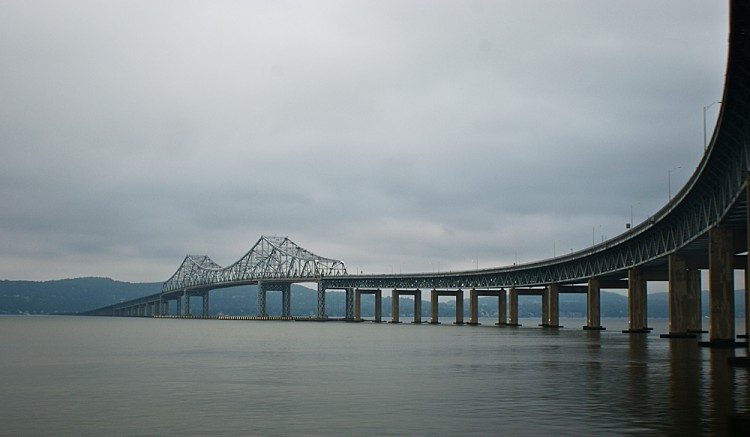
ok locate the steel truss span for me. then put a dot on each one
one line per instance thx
(275, 259)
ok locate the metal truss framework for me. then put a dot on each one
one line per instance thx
(715, 195)
(272, 259)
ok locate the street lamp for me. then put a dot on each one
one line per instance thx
(669, 182)
(705, 140)
(631, 212)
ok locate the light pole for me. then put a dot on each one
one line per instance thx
(631, 212)
(669, 182)
(705, 140)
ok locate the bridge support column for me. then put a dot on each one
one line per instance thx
(179, 306)
(205, 304)
(379, 306)
(747, 293)
(459, 307)
(593, 306)
(721, 287)
(637, 315)
(473, 307)
(554, 306)
(434, 307)
(502, 310)
(395, 307)
(349, 304)
(286, 300)
(545, 308)
(747, 266)
(679, 298)
(695, 321)
(186, 299)
(357, 305)
(322, 301)
(418, 306)
(513, 307)
(262, 312)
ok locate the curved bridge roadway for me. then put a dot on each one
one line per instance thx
(704, 227)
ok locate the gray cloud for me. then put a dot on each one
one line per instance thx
(395, 135)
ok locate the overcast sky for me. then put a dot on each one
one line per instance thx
(400, 135)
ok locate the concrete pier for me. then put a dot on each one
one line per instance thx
(474, 295)
(502, 310)
(721, 287)
(417, 294)
(593, 306)
(695, 320)
(637, 312)
(679, 299)
(553, 301)
(358, 303)
(394, 307)
(418, 306)
(458, 294)
(545, 308)
(513, 307)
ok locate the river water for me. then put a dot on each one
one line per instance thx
(129, 376)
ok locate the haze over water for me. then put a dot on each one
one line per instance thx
(127, 376)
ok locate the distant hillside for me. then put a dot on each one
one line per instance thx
(82, 294)
(67, 295)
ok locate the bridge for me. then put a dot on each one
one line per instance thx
(703, 227)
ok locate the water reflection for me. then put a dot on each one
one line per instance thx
(685, 381)
(358, 379)
(637, 390)
(721, 387)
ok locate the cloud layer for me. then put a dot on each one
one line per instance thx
(398, 136)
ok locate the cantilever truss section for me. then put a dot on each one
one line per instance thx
(271, 258)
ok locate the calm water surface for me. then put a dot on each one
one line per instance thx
(122, 376)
